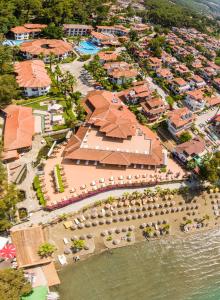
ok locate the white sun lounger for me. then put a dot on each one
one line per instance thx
(62, 259)
(76, 221)
(65, 240)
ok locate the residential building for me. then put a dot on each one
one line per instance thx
(195, 100)
(154, 108)
(120, 72)
(197, 82)
(191, 149)
(19, 129)
(77, 29)
(154, 63)
(138, 93)
(179, 85)
(111, 136)
(119, 30)
(27, 31)
(101, 39)
(216, 83)
(107, 56)
(45, 48)
(164, 73)
(32, 77)
(179, 120)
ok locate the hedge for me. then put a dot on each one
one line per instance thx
(37, 188)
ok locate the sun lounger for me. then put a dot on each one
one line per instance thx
(65, 240)
(62, 259)
(76, 221)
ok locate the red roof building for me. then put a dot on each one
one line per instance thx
(27, 31)
(112, 136)
(32, 77)
(19, 128)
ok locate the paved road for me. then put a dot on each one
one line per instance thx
(156, 87)
(44, 217)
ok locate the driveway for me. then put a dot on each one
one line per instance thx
(75, 69)
(156, 87)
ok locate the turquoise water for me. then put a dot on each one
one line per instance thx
(173, 269)
(87, 47)
(14, 42)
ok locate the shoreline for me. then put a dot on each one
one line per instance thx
(100, 251)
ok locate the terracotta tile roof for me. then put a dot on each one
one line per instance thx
(194, 146)
(197, 79)
(124, 73)
(164, 72)
(179, 81)
(28, 28)
(180, 116)
(116, 65)
(155, 102)
(214, 100)
(111, 117)
(197, 95)
(107, 55)
(100, 36)
(31, 74)
(46, 46)
(19, 127)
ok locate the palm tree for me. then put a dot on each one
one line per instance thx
(148, 231)
(52, 58)
(110, 199)
(126, 195)
(78, 245)
(46, 250)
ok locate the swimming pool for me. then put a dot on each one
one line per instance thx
(87, 47)
(14, 42)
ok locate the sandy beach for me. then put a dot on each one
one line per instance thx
(122, 222)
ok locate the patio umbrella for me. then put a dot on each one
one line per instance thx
(121, 177)
(111, 178)
(124, 229)
(108, 221)
(101, 180)
(83, 187)
(8, 251)
(93, 183)
(104, 233)
(131, 228)
(129, 177)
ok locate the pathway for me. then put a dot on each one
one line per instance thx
(45, 217)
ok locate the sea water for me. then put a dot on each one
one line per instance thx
(171, 269)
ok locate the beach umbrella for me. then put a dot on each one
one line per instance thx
(124, 229)
(94, 188)
(146, 215)
(81, 226)
(128, 218)
(8, 251)
(111, 178)
(101, 180)
(115, 220)
(93, 183)
(126, 211)
(88, 224)
(117, 230)
(122, 219)
(111, 231)
(94, 215)
(82, 237)
(131, 228)
(126, 203)
(108, 214)
(94, 223)
(101, 222)
(129, 177)
(83, 187)
(116, 242)
(107, 206)
(133, 202)
(86, 247)
(121, 177)
(104, 233)
(89, 236)
(114, 212)
(140, 216)
(132, 210)
(143, 225)
(67, 251)
(129, 239)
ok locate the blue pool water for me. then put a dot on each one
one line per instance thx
(14, 42)
(87, 47)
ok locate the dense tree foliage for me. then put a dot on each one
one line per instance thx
(13, 285)
(15, 12)
(210, 169)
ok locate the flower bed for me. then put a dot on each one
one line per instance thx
(58, 179)
(37, 188)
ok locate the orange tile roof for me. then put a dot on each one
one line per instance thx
(197, 94)
(100, 36)
(19, 127)
(179, 81)
(46, 46)
(110, 116)
(107, 55)
(28, 28)
(31, 74)
(117, 73)
(181, 116)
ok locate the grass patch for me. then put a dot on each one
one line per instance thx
(37, 188)
(42, 154)
(59, 127)
(59, 179)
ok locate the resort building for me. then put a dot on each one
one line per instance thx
(138, 93)
(216, 123)
(18, 130)
(101, 39)
(195, 99)
(155, 63)
(120, 72)
(179, 120)
(77, 29)
(119, 30)
(112, 136)
(32, 77)
(179, 85)
(190, 150)
(164, 74)
(107, 56)
(154, 108)
(197, 82)
(27, 242)
(45, 48)
(27, 31)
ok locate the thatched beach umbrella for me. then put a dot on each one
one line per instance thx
(115, 219)
(131, 228)
(122, 219)
(111, 231)
(124, 229)
(88, 224)
(129, 239)
(89, 236)
(118, 230)
(86, 248)
(82, 237)
(73, 227)
(94, 215)
(101, 222)
(108, 221)
(140, 216)
(104, 233)
(108, 214)
(143, 225)
(81, 226)
(128, 217)
(67, 251)
(94, 223)
(116, 242)
(74, 238)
